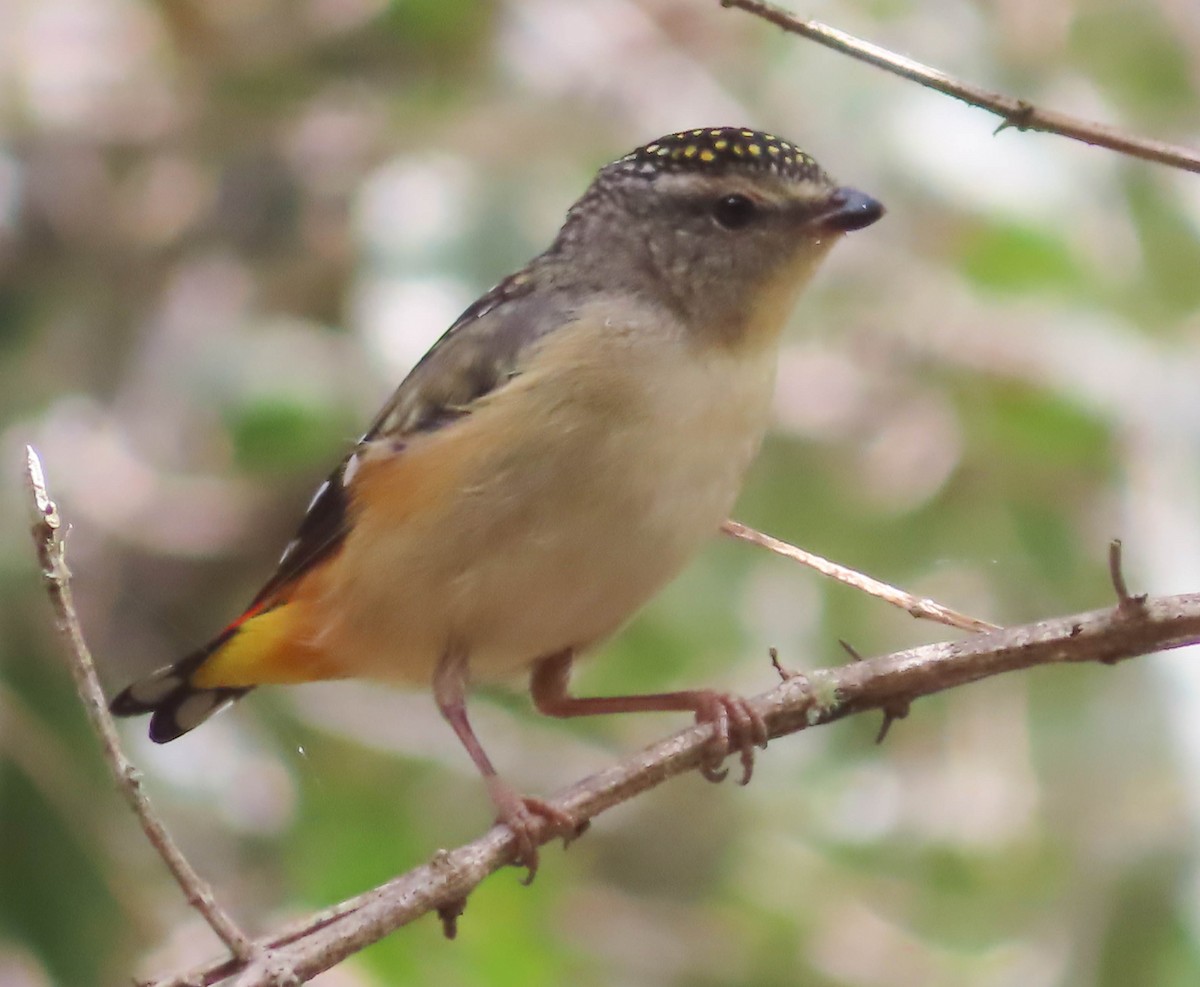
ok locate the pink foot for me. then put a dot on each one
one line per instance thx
(529, 819)
(736, 726)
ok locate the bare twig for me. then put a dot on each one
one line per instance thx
(783, 673)
(891, 713)
(921, 608)
(308, 947)
(1126, 602)
(886, 683)
(48, 535)
(1016, 113)
(449, 914)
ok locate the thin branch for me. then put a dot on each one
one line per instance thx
(311, 946)
(1126, 602)
(920, 607)
(897, 711)
(48, 535)
(1016, 113)
(886, 683)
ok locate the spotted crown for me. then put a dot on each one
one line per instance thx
(719, 149)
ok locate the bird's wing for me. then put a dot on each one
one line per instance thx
(480, 352)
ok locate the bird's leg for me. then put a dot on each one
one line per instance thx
(523, 815)
(736, 724)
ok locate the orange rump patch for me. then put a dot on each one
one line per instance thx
(402, 487)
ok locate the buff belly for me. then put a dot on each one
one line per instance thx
(545, 519)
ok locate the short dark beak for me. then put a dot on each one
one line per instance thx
(850, 209)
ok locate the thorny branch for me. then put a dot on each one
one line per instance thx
(1016, 113)
(302, 950)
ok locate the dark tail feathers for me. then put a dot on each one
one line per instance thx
(177, 705)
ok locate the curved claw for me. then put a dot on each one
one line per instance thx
(526, 817)
(736, 726)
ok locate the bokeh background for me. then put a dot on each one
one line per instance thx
(228, 227)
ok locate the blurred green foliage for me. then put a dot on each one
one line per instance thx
(228, 228)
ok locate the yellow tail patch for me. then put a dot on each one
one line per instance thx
(270, 648)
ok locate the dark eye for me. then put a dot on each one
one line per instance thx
(734, 211)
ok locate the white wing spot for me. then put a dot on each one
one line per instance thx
(152, 690)
(350, 469)
(317, 496)
(197, 708)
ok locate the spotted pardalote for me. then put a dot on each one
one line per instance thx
(555, 458)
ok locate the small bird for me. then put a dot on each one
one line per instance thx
(553, 460)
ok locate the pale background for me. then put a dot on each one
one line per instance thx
(228, 227)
